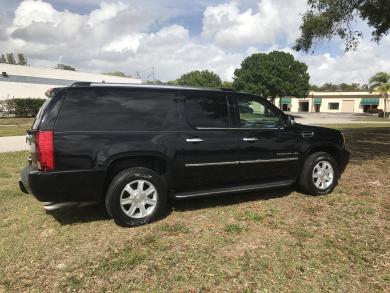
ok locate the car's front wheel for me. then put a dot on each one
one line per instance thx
(320, 174)
(135, 197)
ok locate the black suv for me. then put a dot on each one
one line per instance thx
(134, 146)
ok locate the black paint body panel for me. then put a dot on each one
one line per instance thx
(84, 153)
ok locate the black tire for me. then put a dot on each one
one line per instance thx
(116, 187)
(306, 182)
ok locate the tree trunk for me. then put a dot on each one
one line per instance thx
(385, 105)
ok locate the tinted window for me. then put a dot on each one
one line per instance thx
(255, 113)
(39, 115)
(334, 106)
(114, 109)
(207, 110)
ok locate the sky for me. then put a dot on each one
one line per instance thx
(176, 36)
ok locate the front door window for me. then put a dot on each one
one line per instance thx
(255, 114)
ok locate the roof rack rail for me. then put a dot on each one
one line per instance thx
(154, 86)
(81, 83)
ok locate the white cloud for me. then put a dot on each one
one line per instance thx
(106, 12)
(113, 37)
(131, 37)
(273, 20)
(354, 66)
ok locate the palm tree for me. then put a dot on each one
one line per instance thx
(380, 82)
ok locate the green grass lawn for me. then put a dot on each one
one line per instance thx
(16, 121)
(14, 126)
(258, 242)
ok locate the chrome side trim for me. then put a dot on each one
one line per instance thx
(269, 160)
(286, 154)
(241, 162)
(237, 128)
(212, 164)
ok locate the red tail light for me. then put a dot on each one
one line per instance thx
(45, 150)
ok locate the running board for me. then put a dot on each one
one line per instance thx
(52, 206)
(233, 189)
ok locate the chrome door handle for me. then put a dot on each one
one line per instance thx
(250, 139)
(194, 140)
(306, 134)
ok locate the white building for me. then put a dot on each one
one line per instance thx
(18, 81)
(333, 102)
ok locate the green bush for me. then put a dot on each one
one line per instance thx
(23, 107)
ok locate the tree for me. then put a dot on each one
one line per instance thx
(116, 73)
(22, 59)
(227, 84)
(3, 59)
(155, 82)
(172, 82)
(272, 75)
(11, 58)
(200, 78)
(65, 67)
(330, 87)
(380, 82)
(328, 18)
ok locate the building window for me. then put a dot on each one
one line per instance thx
(286, 107)
(333, 106)
(303, 106)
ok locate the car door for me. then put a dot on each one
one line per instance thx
(208, 150)
(269, 150)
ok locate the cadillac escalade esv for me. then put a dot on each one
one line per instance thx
(133, 147)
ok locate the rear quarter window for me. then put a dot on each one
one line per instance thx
(121, 109)
(39, 115)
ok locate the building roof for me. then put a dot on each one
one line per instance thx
(25, 73)
(362, 93)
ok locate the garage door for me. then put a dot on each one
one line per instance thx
(347, 106)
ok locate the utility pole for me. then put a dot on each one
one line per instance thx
(154, 76)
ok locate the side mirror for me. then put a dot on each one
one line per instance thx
(290, 120)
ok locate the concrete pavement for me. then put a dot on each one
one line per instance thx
(13, 144)
(333, 118)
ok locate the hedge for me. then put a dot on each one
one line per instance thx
(23, 107)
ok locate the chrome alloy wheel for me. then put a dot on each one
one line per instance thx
(323, 175)
(138, 199)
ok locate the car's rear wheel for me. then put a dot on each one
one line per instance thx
(136, 196)
(319, 175)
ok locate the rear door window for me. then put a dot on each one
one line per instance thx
(122, 109)
(208, 110)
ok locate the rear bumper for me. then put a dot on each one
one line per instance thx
(63, 186)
